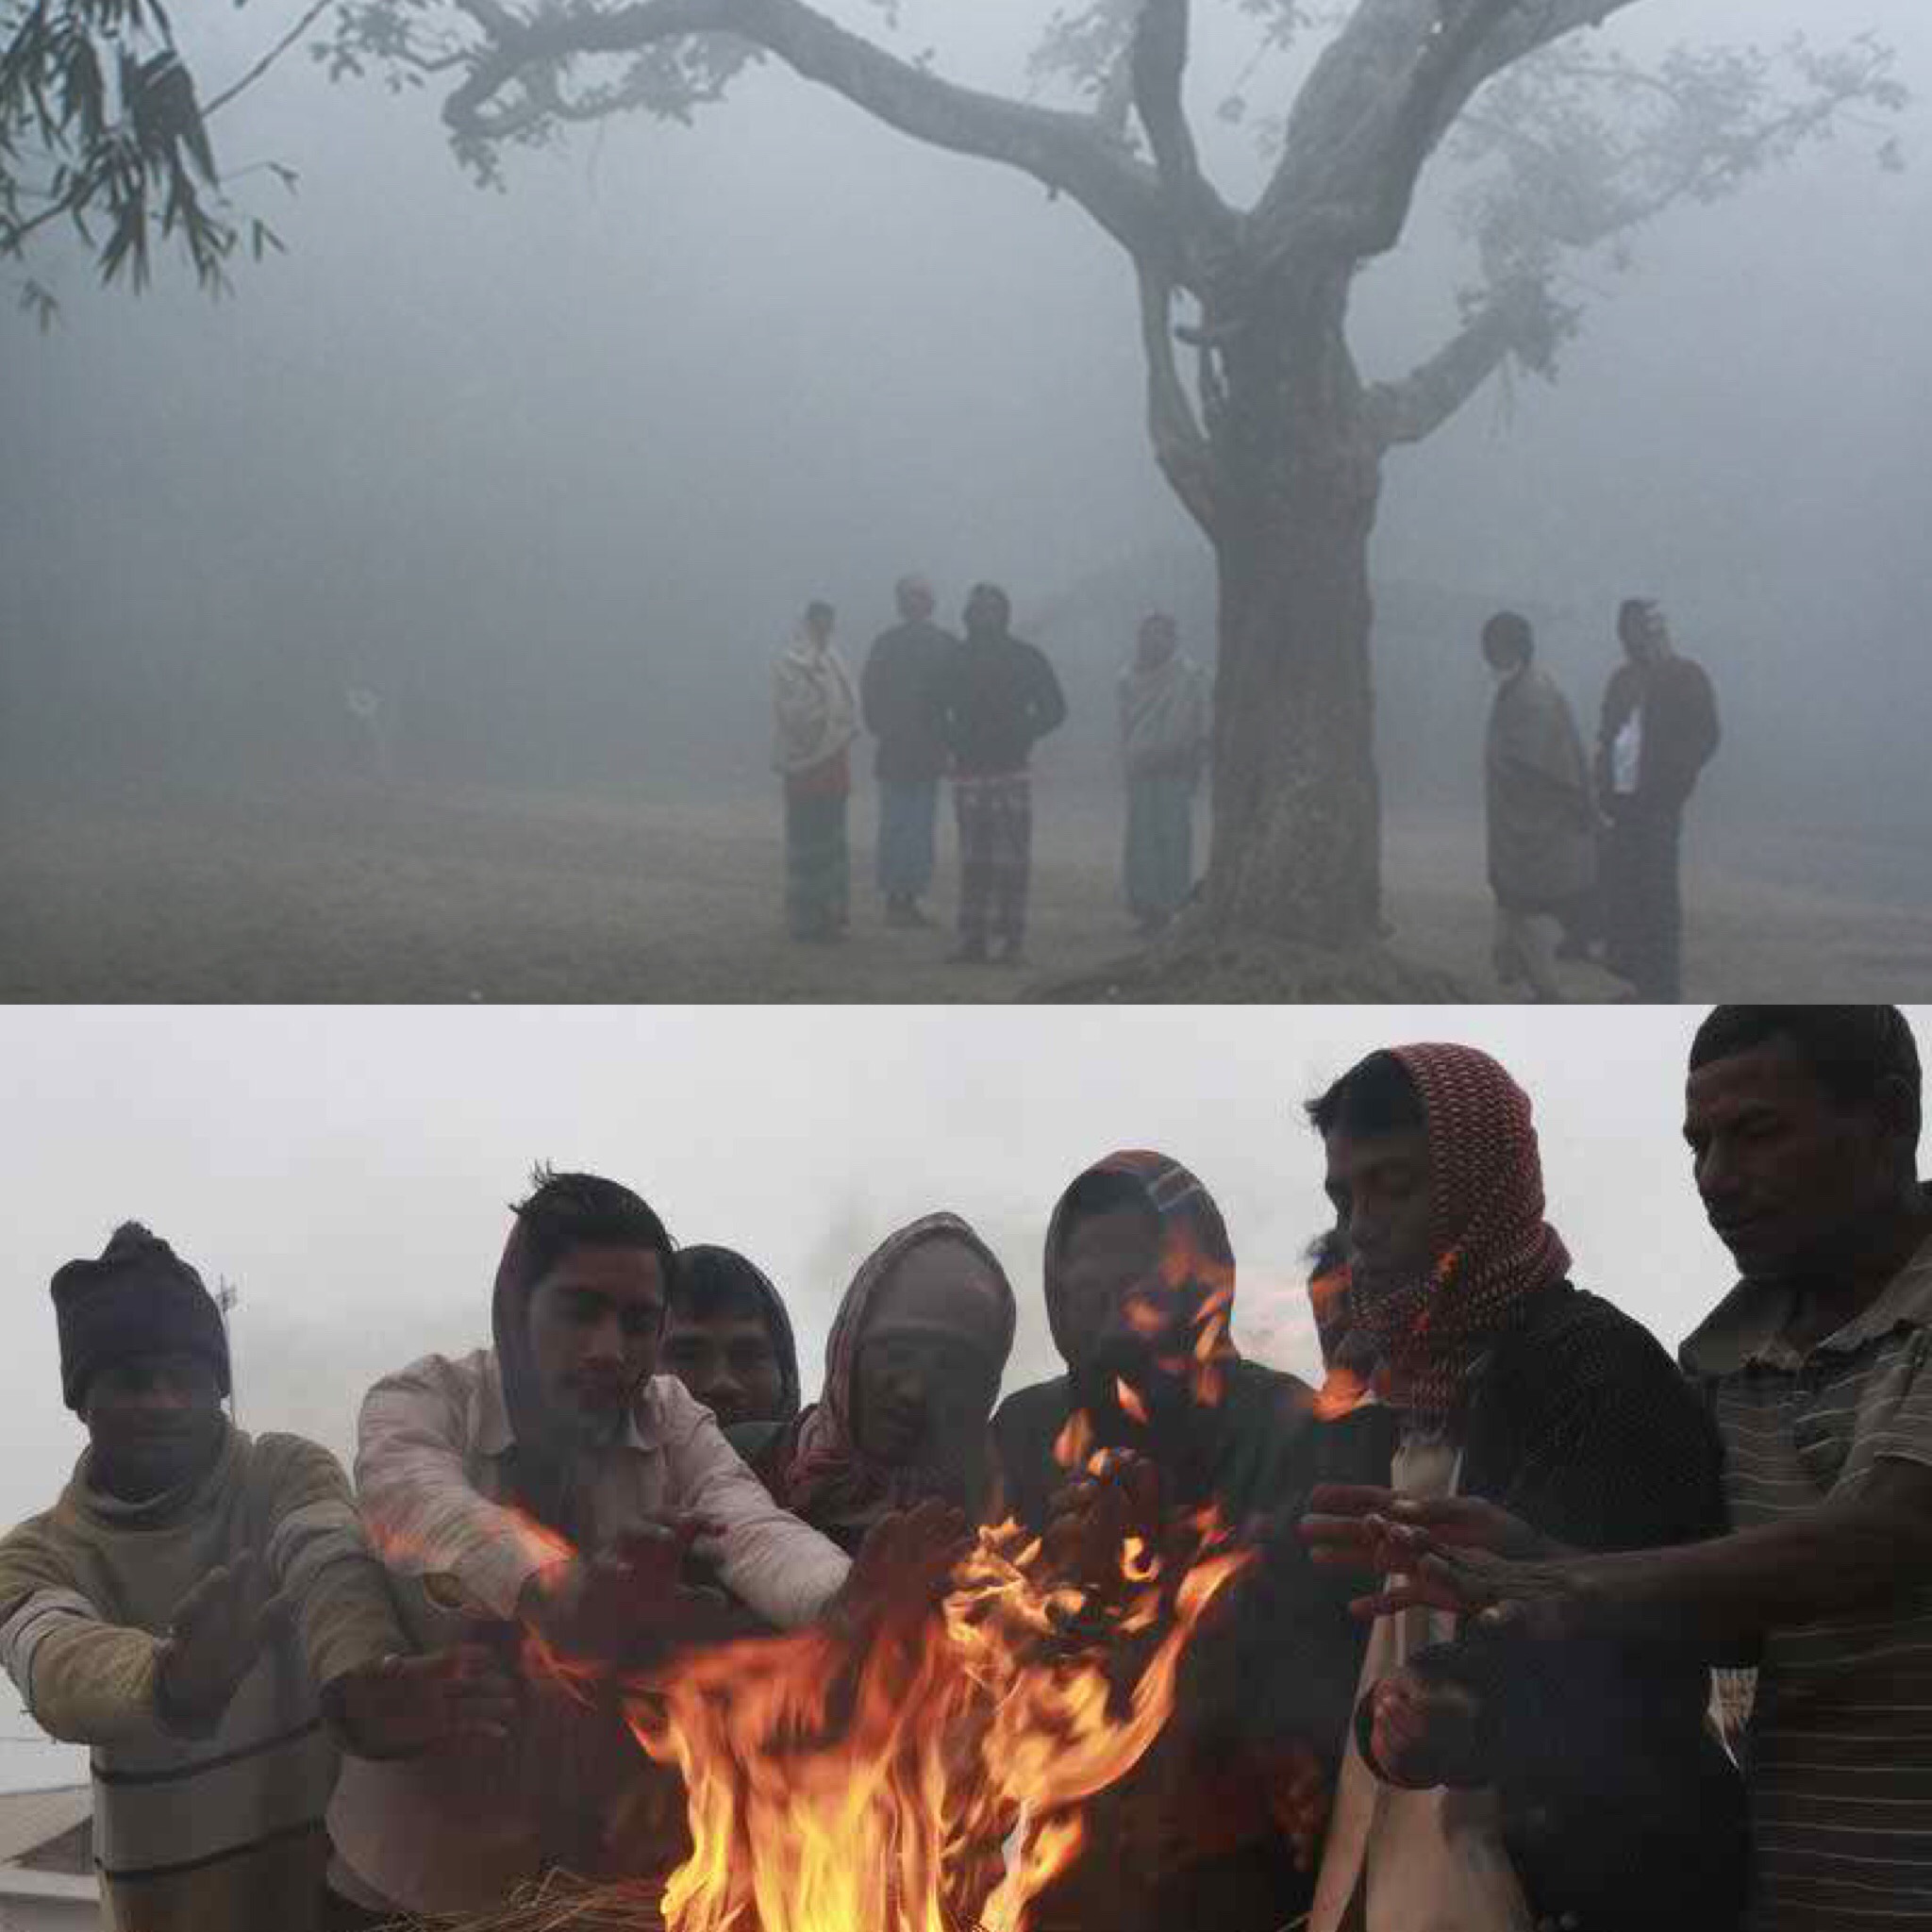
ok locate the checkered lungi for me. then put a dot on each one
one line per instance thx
(996, 815)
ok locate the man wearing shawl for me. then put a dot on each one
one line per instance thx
(728, 1340)
(998, 698)
(1139, 1282)
(1165, 734)
(1489, 1790)
(817, 719)
(553, 1483)
(202, 1609)
(899, 693)
(913, 1367)
(1541, 819)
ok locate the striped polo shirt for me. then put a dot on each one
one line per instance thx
(1839, 1752)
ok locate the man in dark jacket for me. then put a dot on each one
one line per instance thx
(898, 692)
(1658, 730)
(1140, 1290)
(1491, 1785)
(998, 697)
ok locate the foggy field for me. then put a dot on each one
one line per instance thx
(336, 894)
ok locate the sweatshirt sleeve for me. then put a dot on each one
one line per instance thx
(765, 1557)
(1049, 704)
(320, 1555)
(423, 1513)
(83, 1679)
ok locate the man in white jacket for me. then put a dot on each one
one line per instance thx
(551, 1485)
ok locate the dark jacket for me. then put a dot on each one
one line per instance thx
(899, 697)
(1618, 1804)
(997, 697)
(1680, 732)
(1282, 1670)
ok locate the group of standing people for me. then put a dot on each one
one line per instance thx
(970, 707)
(1592, 846)
(1462, 1687)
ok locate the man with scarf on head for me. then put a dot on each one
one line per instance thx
(1488, 1790)
(912, 1368)
(1210, 1827)
(553, 1484)
(728, 1340)
(202, 1609)
(1804, 1124)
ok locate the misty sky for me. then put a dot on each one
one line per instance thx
(349, 1169)
(636, 408)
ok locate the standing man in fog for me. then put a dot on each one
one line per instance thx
(998, 697)
(899, 696)
(1541, 821)
(1658, 731)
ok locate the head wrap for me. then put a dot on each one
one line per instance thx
(708, 1266)
(1196, 1251)
(139, 1298)
(822, 1473)
(1493, 1250)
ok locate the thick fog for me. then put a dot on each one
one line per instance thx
(554, 468)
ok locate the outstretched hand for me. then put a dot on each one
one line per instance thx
(219, 1628)
(904, 1567)
(1434, 1549)
(627, 1598)
(1423, 1733)
(1091, 1519)
(399, 1707)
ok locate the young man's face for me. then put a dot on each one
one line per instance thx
(728, 1361)
(596, 1321)
(1379, 1185)
(1119, 1315)
(924, 1383)
(154, 1421)
(1788, 1176)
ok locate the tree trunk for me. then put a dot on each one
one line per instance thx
(1296, 849)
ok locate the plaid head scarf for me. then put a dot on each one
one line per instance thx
(1493, 1248)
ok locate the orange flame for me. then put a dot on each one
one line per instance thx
(1342, 1387)
(1129, 1399)
(830, 1791)
(1074, 1443)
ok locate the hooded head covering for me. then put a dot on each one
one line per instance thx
(1493, 1248)
(822, 1472)
(138, 1298)
(705, 1271)
(1195, 1252)
(564, 1211)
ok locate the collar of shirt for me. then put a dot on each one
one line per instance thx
(1748, 1325)
(491, 1435)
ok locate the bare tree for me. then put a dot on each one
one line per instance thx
(1259, 418)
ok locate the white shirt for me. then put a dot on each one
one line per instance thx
(421, 1835)
(1627, 755)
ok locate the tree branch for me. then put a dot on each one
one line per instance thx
(1377, 104)
(1160, 65)
(1180, 448)
(1062, 150)
(268, 59)
(1519, 320)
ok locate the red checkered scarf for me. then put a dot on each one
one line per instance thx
(1494, 1247)
(822, 1472)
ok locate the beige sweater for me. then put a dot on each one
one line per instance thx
(221, 1833)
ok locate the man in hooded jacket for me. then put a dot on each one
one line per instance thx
(1140, 1282)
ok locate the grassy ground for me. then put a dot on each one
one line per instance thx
(336, 894)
